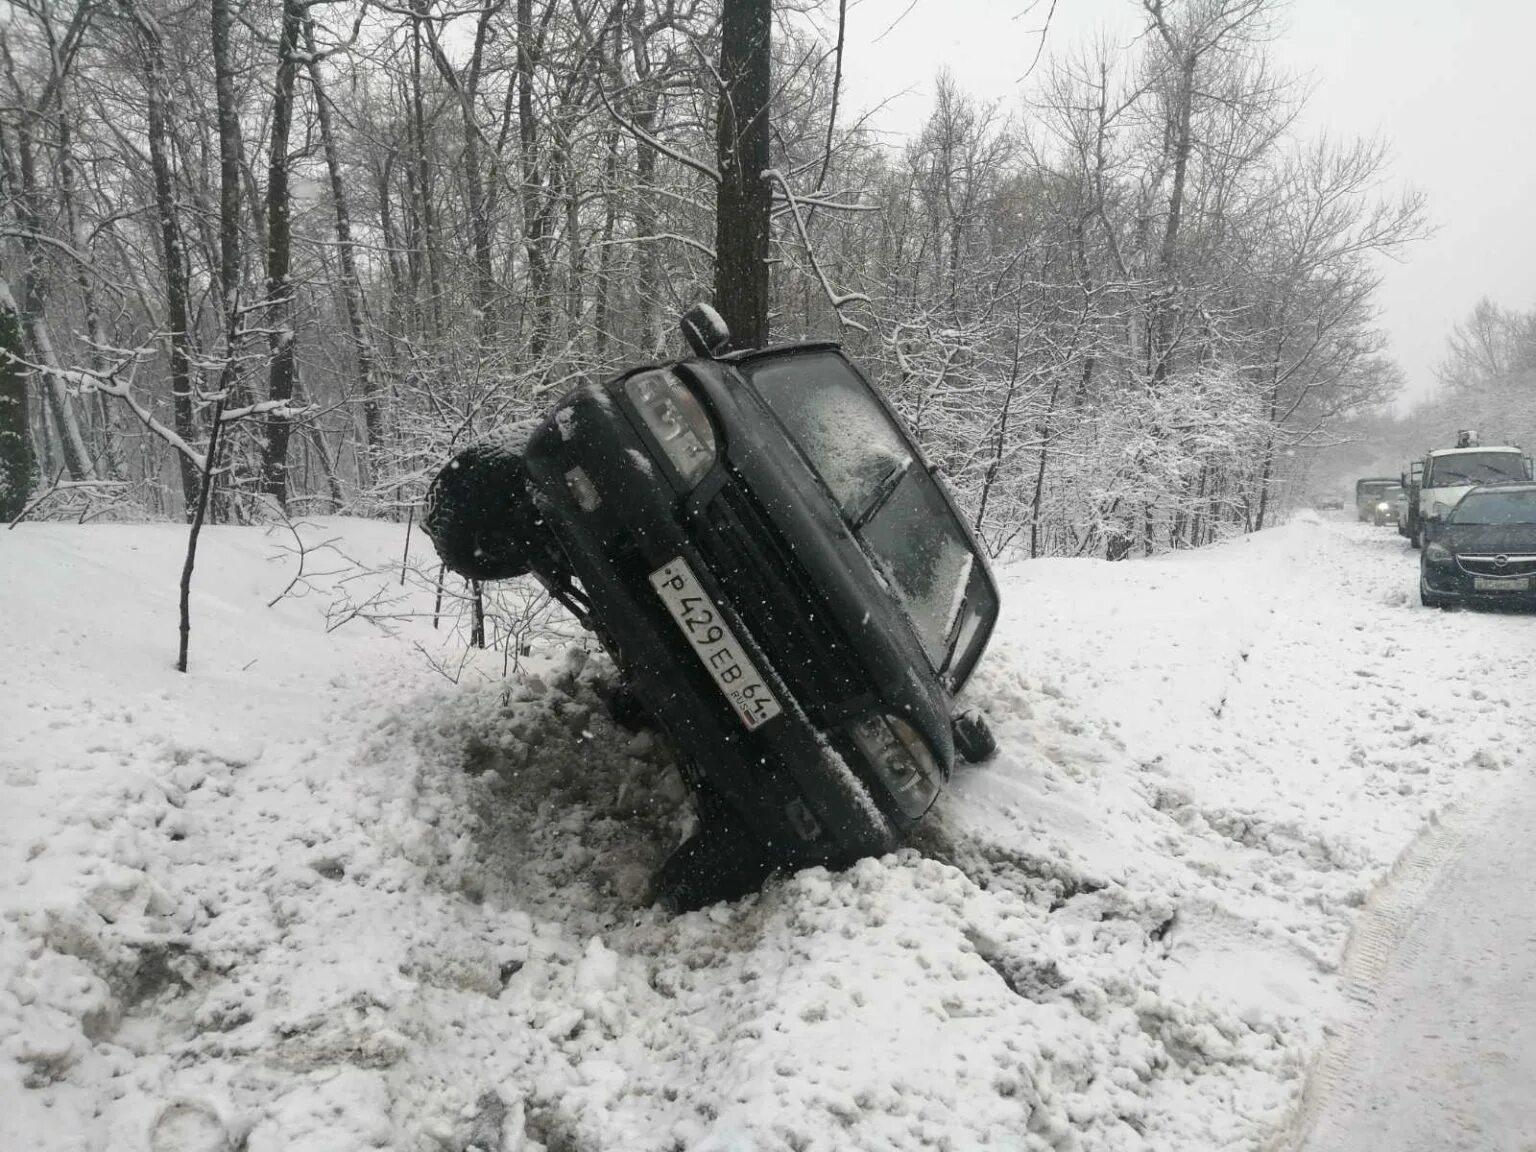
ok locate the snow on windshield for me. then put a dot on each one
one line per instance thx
(841, 428)
(917, 542)
(851, 442)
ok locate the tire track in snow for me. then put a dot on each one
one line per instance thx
(1379, 938)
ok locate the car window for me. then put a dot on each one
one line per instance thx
(1475, 468)
(1496, 508)
(922, 551)
(844, 432)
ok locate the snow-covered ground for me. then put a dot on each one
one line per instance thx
(318, 896)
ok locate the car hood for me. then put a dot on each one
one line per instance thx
(1489, 539)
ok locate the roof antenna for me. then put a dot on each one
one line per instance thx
(705, 331)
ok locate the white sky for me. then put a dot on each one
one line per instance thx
(1448, 84)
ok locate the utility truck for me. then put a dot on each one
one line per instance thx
(1435, 483)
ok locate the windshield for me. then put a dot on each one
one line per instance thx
(1474, 468)
(1496, 508)
(896, 506)
(1368, 488)
(841, 428)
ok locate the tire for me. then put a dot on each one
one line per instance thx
(479, 513)
(721, 861)
(1431, 599)
(625, 709)
(973, 737)
(1416, 539)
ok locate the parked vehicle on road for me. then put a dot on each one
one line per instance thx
(1445, 475)
(786, 586)
(1327, 502)
(1484, 550)
(1370, 493)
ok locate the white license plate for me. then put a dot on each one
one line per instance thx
(1501, 583)
(714, 643)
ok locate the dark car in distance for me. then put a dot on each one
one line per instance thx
(1374, 497)
(1483, 550)
(788, 590)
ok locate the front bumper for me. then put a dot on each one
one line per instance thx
(783, 778)
(1449, 582)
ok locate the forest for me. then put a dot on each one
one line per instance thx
(310, 248)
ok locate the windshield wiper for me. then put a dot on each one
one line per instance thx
(888, 484)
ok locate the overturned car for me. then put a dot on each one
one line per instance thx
(788, 591)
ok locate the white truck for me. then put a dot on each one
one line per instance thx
(1435, 483)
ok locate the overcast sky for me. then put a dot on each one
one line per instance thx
(1449, 84)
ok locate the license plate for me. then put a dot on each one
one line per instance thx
(1501, 583)
(715, 644)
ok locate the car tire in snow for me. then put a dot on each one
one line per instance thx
(973, 737)
(625, 709)
(721, 861)
(479, 513)
(1430, 599)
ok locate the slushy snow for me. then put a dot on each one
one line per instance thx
(349, 889)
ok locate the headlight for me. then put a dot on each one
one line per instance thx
(677, 420)
(1383, 507)
(901, 759)
(1437, 554)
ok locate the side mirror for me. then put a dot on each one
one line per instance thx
(1528, 473)
(1439, 511)
(705, 331)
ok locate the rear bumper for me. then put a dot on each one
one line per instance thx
(783, 778)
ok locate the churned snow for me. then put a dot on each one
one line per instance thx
(320, 895)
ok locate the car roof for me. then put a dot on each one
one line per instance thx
(1486, 448)
(1506, 486)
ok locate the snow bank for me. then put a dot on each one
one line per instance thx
(316, 896)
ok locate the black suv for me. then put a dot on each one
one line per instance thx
(787, 588)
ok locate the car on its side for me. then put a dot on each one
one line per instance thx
(787, 588)
(1483, 550)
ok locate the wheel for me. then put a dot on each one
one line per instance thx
(624, 708)
(1432, 600)
(721, 861)
(479, 513)
(973, 736)
(1416, 539)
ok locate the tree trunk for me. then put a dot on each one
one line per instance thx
(282, 370)
(535, 218)
(173, 254)
(18, 464)
(744, 202)
(77, 457)
(351, 286)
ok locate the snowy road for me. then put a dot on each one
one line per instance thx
(1446, 1061)
(348, 886)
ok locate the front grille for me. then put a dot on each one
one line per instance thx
(777, 601)
(1490, 566)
